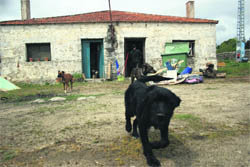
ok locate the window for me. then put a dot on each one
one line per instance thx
(191, 46)
(38, 52)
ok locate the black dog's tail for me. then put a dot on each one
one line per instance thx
(154, 78)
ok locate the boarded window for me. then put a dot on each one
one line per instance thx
(38, 52)
(191, 46)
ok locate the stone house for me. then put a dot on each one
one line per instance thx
(33, 50)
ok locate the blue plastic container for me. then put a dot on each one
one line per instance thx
(187, 70)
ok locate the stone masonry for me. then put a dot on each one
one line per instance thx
(66, 47)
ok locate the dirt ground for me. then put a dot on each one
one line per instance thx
(210, 128)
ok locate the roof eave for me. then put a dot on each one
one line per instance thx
(89, 22)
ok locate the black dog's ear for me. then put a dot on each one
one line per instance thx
(175, 101)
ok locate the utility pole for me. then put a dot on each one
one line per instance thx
(240, 45)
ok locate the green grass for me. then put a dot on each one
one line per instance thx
(196, 127)
(30, 92)
(186, 117)
(234, 69)
(77, 75)
(7, 155)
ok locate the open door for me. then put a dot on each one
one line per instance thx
(129, 42)
(93, 58)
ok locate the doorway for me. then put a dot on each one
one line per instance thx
(128, 46)
(93, 58)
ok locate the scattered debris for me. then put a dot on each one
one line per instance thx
(210, 72)
(81, 98)
(221, 64)
(38, 101)
(221, 75)
(85, 98)
(194, 79)
(57, 99)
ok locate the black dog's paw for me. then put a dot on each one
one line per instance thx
(135, 134)
(160, 144)
(152, 161)
(128, 127)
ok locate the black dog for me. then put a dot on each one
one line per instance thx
(152, 106)
(137, 72)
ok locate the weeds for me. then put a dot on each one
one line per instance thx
(198, 128)
(7, 155)
(186, 117)
(209, 88)
(126, 146)
(234, 69)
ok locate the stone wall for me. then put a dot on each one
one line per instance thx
(231, 55)
(66, 46)
(36, 72)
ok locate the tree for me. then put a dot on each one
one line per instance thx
(227, 46)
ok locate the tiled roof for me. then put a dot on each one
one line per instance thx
(104, 16)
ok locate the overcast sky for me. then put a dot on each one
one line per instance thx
(225, 11)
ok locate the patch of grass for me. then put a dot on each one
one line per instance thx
(221, 134)
(186, 117)
(30, 91)
(7, 155)
(77, 75)
(75, 96)
(43, 110)
(210, 88)
(118, 92)
(234, 69)
(52, 109)
(124, 149)
(223, 131)
(194, 122)
(91, 124)
(198, 129)
(68, 128)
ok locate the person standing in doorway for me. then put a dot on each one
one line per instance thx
(135, 57)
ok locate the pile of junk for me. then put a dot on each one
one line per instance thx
(174, 60)
(187, 75)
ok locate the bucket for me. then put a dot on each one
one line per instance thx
(120, 78)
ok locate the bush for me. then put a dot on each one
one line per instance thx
(78, 77)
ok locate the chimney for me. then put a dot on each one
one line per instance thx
(25, 9)
(190, 9)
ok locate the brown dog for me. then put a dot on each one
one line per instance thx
(65, 79)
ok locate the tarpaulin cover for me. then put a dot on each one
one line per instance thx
(6, 85)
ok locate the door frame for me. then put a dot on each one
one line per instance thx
(85, 45)
(140, 44)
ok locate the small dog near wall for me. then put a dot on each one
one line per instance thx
(152, 106)
(65, 79)
(138, 72)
